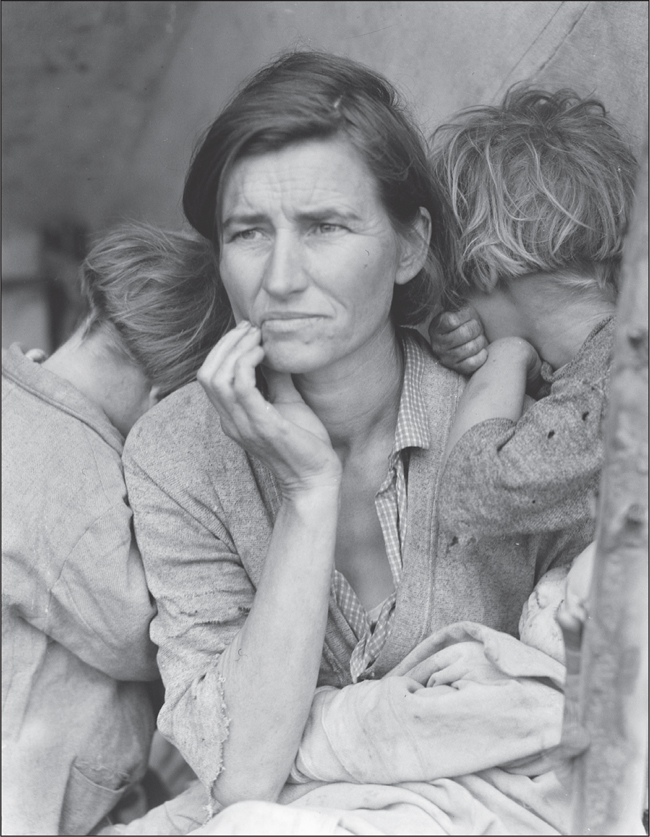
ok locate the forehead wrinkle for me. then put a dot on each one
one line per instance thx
(305, 190)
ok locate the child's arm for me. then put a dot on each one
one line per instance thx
(498, 388)
(534, 474)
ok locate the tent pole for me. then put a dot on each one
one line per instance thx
(609, 778)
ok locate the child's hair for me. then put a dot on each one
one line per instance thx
(542, 182)
(158, 296)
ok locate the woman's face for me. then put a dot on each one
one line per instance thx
(309, 254)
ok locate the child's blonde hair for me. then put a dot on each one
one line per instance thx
(159, 297)
(542, 182)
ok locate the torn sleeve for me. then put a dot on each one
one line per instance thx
(203, 595)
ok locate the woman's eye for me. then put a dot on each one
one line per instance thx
(246, 235)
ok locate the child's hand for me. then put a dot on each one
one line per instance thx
(35, 355)
(458, 341)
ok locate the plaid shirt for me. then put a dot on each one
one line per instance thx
(371, 630)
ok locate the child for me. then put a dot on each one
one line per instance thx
(538, 192)
(77, 719)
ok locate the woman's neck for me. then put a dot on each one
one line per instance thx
(358, 398)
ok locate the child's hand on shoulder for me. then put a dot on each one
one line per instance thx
(458, 340)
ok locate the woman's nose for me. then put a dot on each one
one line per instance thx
(284, 272)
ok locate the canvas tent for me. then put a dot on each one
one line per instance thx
(102, 101)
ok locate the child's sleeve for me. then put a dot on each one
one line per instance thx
(534, 476)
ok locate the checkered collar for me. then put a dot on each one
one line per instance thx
(412, 429)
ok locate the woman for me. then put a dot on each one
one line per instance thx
(291, 541)
(77, 719)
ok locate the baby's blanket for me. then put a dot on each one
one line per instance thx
(460, 738)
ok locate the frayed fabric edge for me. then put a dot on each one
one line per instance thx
(212, 803)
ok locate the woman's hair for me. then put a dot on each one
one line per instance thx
(311, 95)
(157, 296)
(542, 182)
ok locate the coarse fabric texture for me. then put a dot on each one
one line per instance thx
(542, 473)
(76, 721)
(460, 738)
(204, 512)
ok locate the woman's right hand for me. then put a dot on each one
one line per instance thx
(283, 432)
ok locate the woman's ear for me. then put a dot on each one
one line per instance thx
(414, 248)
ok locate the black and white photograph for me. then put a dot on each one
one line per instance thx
(324, 417)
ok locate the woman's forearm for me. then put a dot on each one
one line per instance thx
(271, 668)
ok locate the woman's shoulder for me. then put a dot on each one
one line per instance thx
(435, 382)
(184, 428)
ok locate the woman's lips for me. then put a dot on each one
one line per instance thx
(286, 322)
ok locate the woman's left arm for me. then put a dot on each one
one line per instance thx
(469, 716)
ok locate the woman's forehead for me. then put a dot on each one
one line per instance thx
(307, 177)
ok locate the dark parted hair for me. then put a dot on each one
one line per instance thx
(543, 182)
(312, 95)
(157, 297)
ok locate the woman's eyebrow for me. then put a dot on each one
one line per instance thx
(321, 214)
(327, 212)
(244, 218)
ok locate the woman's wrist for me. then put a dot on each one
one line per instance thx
(313, 493)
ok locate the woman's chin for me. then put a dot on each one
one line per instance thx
(291, 358)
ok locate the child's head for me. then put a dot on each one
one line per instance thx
(540, 184)
(157, 298)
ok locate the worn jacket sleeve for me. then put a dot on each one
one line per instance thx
(538, 475)
(203, 595)
(99, 606)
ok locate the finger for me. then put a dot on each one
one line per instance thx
(465, 333)
(218, 369)
(227, 343)
(471, 364)
(244, 382)
(450, 320)
(467, 350)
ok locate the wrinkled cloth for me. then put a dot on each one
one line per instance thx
(76, 719)
(406, 755)
(541, 473)
(504, 705)
(204, 512)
